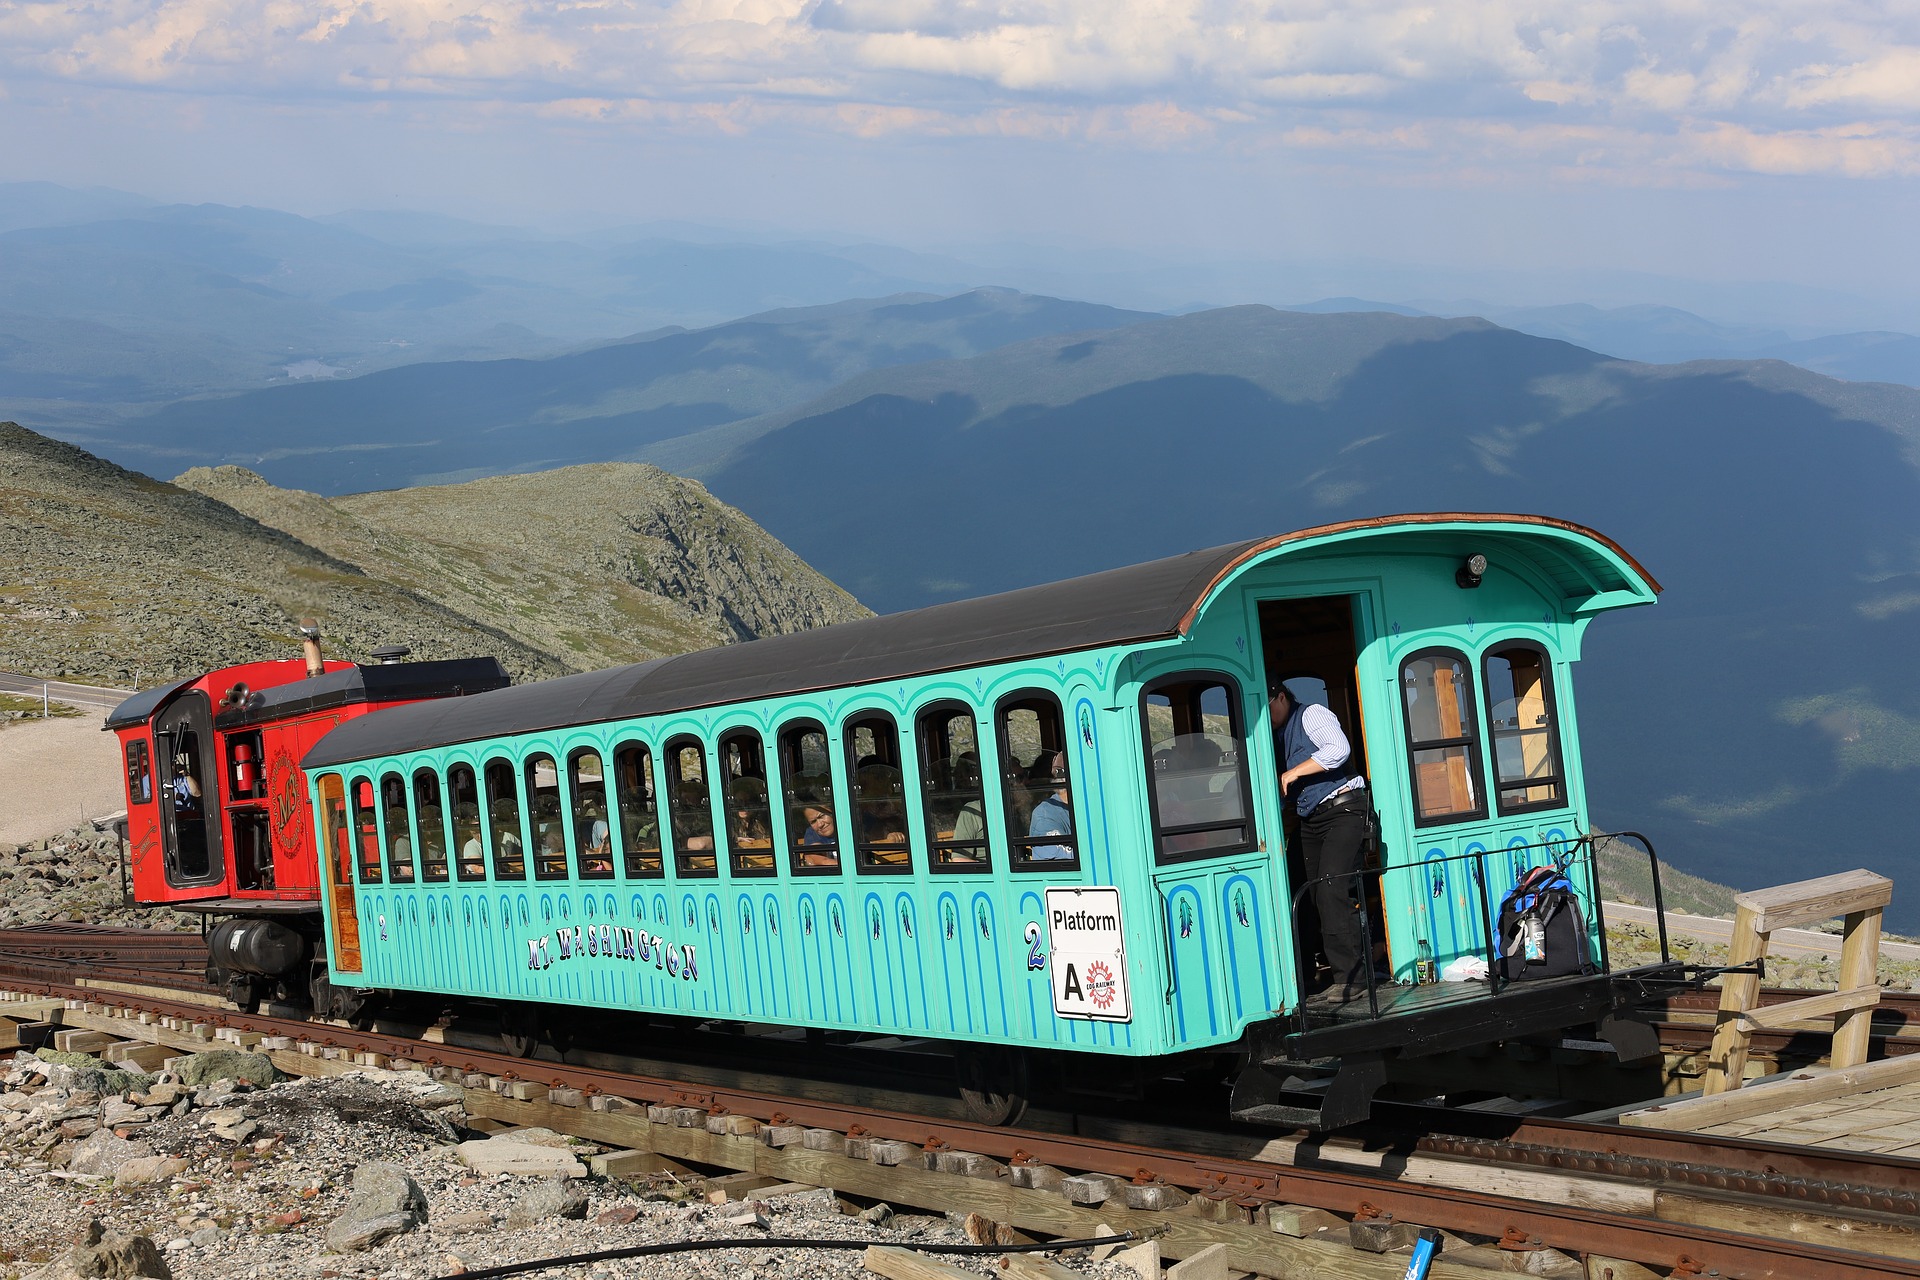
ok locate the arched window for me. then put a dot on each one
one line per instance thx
(430, 825)
(366, 832)
(1196, 757)
(399, 827)
(639, 809)
(592, 833)
(690, 809)
(743, 780)
(467, 842)
(878, 789)
(549, 823)
(1035, 779)
(506, 835)
(1523, 729)
(953, 797)
(806, 793)
(1436, 696)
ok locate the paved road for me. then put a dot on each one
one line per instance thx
(85, 696)
(1789, 943)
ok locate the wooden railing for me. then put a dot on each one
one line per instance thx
(1860, 896)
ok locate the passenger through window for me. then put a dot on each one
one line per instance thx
(639, 809)
(806, 784)
(950, 782)
(1196, 755)
(472, 862)
(393, 811)
(430, 836)
(592, 833)
(1436, 691)
(743, 772)
(139, 773)
(504, 822)
(1520, 719)
(549, 827)
(879, 795)
(690, 808)
(1034, 777)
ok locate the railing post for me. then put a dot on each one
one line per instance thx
(46, 712)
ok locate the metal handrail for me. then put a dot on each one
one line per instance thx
(1582, 849)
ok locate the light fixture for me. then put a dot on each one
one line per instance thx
(1471, 570)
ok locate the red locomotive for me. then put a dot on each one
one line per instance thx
(218, 816)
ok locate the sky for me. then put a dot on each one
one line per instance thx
(1718, 141)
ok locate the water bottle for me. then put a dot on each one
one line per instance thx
(1534, 935)
(1423, 972)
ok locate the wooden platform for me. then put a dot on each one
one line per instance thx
(1871, 1108)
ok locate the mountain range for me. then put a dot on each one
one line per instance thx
(123, 580)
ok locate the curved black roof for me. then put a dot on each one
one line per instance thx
(1152, 601)
(140, 707)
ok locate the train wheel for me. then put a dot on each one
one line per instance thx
(522, 1030)
(994, 1082)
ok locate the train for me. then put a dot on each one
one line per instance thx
(1041, 829)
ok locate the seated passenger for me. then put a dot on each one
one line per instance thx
(747, 805)
(819, 840)
(1053, 816)
(691, 818)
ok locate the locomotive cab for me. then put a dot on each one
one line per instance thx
(217, 814)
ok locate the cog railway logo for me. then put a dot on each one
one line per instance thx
(1101, 987)
(287, 803)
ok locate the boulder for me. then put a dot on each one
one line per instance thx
(142, 1170)
(504, 1155)
(117, 1255)
(226, 1064)
(555, 1198)
(384, 1202)
(102, 1152)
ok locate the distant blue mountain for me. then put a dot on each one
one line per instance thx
(1761, 724)
(439, 421)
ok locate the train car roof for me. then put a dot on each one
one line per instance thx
(140, 707)
(338, 687)
(1153, 601)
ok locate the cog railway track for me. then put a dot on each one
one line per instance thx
(1641, 1202)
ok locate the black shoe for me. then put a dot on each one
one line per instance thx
(1339, 993)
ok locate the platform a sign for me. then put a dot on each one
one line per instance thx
(1087, 955)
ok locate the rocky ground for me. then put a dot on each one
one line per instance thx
(73, 876)
(221, 1169)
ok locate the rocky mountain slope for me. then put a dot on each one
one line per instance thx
(123, 580)
(597, 565)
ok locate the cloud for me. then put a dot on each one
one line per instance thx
(1775, 86)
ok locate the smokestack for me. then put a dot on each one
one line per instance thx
(310, 647)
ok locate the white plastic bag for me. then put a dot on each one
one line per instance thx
(1464, 969)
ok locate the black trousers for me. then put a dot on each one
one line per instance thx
(1330, 842)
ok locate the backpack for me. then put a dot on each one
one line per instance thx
(1543, 906)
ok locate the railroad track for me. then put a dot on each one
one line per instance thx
(101, 953)
(1647, 1197)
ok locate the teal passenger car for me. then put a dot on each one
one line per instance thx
(1036, 825)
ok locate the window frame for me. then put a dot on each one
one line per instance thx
(982, 864)
(863, 862)
(1562, 796)
(804, 725)
(1470, 716)
(1017, 844)
(1239, 722)
(456, 851)
(738, 855)
(394, 863)
(421, 846)
(631, 862)
(670, 752)
(496, 857)
(139, 762)
(357, 814)
(570, 806)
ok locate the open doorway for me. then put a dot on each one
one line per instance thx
(1311, 645)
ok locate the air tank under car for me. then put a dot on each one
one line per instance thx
(255, 945)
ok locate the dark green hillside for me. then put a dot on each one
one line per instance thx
(436, 422)
(1761, 723)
